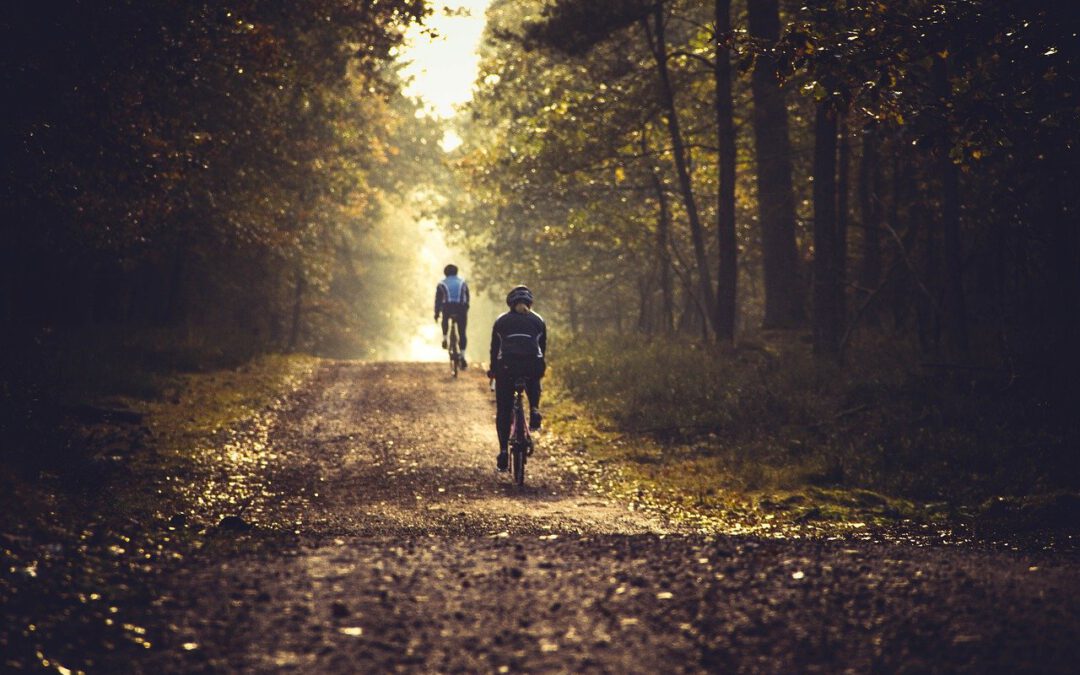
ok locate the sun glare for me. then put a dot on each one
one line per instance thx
(442, 58)
(441, 66)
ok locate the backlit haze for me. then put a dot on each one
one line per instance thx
(441, 64)
(442, 58)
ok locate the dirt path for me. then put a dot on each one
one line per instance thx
(382, 540)
(395, 449)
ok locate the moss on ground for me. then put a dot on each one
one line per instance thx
(196, 405)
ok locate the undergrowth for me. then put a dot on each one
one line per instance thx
(54, 383)
(768, 418)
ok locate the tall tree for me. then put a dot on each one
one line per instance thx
(727, 274)
(843, 213)
(828, 289)
(776, 201)
(655, 27)
(870, 210)
(954, 307)
(663, 240)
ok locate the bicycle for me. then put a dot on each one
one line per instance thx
(521, 442)
(452, 345)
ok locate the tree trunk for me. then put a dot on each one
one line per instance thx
(572, 311)
(776, 200)
(644, 289)
(727, 272)
(656, 38)
(663, 243)
(827, 314)
(1065, 309)
(843, 215)
(870, 211)
(900, 194)
(298, 309)
(687, 314)
(954, 307)
(174, 297)
(926, 306)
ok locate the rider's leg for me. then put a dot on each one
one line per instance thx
(532, 390)
(504, 414)
(462, 317)
(462, 322)
(445, 327)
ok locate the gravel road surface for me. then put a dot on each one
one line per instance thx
(398, 548)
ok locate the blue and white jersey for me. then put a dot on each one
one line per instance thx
(451, 291)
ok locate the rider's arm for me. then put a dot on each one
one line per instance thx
(465, 295)
(494, 345)
(440, 293)
(542, 339)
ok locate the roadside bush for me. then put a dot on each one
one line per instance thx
(51, 382)
(771, 417)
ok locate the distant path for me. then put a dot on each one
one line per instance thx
(413, 555)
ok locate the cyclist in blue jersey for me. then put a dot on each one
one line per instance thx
(452, 300)
(518, 345)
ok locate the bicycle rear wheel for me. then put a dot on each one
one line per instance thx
(518, 446)
(455, 356)
(517, 460)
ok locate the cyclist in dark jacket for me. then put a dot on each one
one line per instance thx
(518, 345)
(452, 300)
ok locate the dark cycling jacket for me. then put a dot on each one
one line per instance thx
(518, 337)
(451, 294)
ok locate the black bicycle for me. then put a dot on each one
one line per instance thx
(521, 443)
(452, 345)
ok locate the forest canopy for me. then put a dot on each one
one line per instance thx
(228, 175)
(851, 167)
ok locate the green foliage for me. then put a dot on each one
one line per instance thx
(567, 184)
(679, 390)
(210, 166)
(189, 185)
(767, 417)
(560, 180)
(565, 169)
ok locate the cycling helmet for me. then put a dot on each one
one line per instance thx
(519, 294)
(450, 270)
